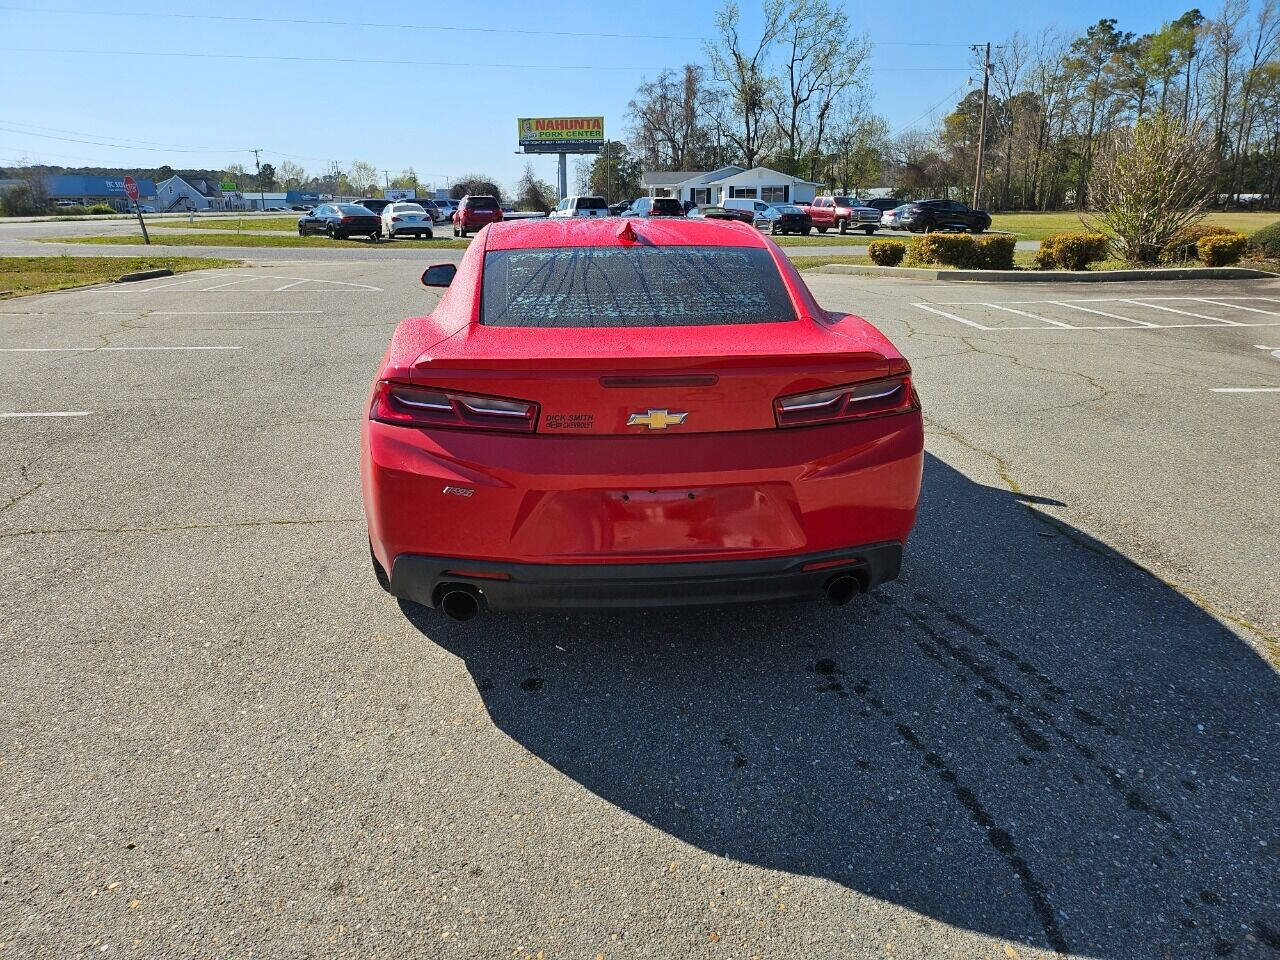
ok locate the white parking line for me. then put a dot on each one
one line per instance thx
(1185, 313)
(1240, 306)
(950, 316)
(288, 285)
(1102, 313)
(1246, 389)
(1023, 313)
(229, 283)
(202, 313)
(102, 349)
(52, 413)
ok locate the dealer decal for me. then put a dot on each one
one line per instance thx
(569, 421)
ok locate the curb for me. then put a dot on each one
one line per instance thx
(144, 275)
(1048, 276)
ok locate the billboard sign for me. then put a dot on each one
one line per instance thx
(561, 134)
(400, 193)
(228, 186)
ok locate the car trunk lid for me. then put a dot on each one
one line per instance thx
(651, 381)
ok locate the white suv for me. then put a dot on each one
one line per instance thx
(581, 207)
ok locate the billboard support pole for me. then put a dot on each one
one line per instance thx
(563, 170)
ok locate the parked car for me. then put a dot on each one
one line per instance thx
(759, 210)
(474, 213)
(618, 209)
(405, 217)
(757, 448)
(790, 218)
(301, 207)
(721, 213)
(146, 208)
(447, 208)
(892, 219)
(580, 207)
(655, 207)
(883, 204)
(339, 221)
(922, 216)
(843, 214)
(373, 203)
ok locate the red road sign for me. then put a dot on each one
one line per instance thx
(131, 188)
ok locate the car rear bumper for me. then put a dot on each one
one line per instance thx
(612, 500)
(518, 586)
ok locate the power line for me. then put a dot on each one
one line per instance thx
(123, 146)
(305, 21)
(282, 58)
(954, 94)
(149, 143)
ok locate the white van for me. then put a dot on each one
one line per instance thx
(760, 211)
(580, 207)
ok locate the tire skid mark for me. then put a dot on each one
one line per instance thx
(969, 661)
(1024, 666)
(999, 839)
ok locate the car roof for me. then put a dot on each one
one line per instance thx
(600, 232)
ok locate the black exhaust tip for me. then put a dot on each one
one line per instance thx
(842, 588)
(460, 604)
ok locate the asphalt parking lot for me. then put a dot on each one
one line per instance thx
(1057, 734)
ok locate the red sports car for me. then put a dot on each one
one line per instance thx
(606, 413)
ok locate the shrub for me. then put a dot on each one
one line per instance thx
(1266, 242)
(102, 208)
(952, 249)
(1183, 245)
(1221, 250)
(74, 210)
(1150, 181)
(995, 251)
(20, 201)
(1072, 251)
(887, 253)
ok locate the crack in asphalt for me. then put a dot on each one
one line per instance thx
(23, 494)
(227, 525)
(1270, 643)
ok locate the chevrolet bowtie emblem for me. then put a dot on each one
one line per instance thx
(656, 419)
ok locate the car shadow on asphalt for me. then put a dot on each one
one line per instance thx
(1027, 736)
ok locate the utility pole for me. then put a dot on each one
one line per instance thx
(982, 124)
(387, 175)
(262, 197)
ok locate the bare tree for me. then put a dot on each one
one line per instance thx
(821, 60)
(362, 176)
(1265, 42)
(290, 174)
(743, 71)
(1148, 183)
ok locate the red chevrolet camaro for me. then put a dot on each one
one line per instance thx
(622, 413)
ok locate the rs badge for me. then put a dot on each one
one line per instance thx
(656, 419)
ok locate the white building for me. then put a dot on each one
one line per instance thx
(715, 186)
(255, 200)
(177, 194)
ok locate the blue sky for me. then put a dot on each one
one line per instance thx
(442, 120)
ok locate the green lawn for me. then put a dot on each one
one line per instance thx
(1037, 226)
(831, 239)
(168, 239)
(229, 223)
(21, 276)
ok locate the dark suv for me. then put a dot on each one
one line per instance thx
(925, 215)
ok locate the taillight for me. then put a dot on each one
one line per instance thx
(396, 219)
(406, 406)
(347, 219)
(858, 401)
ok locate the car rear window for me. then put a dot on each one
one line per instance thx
(668, 205)
(354, 209)
(482, 203)
(643, 286)
(592, 203)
